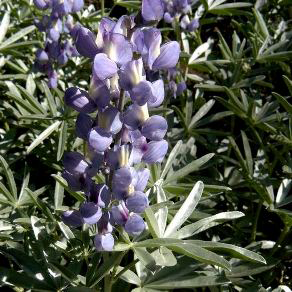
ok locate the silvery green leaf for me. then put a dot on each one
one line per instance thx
(4, 25)
(185, 210)
(45, 134)
(232, 250)
(193, 166)
(206, 223)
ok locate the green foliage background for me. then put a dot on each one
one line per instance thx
(232, 130)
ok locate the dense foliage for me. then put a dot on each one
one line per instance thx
(217, 208)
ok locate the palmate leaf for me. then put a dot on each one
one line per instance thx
(186, 248)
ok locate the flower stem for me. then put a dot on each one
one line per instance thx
(281, 238)
(107, 278)
(255, 223)
(102, 7)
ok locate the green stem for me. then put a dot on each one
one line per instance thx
(281, 238)
(255, 224)
(102, 7)
(107, 278)
(126, 268)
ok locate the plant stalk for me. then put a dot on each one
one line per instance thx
(255, 224)
(281, 238)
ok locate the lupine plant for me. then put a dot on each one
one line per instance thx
(160, 160)
(58, 47)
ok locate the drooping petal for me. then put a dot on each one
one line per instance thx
(120, 213)
(99, 92)
(96, 158)
(193, 25)
(41, 4)
(103, 67)
(53, 79)
(137, 39)
(167, 17)
(123, 25)
(181, 87)
(119, 156)
(54, 33)
(99, 139)
(105, 26)
(77, 182)
(142, 92)
(155, 152)
(77, 5)
(72, 218)
(104, 242)
(154, 128)
(185, 21)
(152, 39)
(79, 100)
(104, 225)
(42, 56)
(137, 202)
(85, 42)
(135, 225)
(90, 212)
(110, 120)
(140, 146)
(158, 93)
(118, 48)
(83, 126)
(131, 74)
(62, 58)
(122, 179)
(169, 55)
(142, 179)
(74, 162)
(100, 194)
(135, 115)
(152, 10)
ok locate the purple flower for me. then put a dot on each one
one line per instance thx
(74, 162)
(104, 242)
(83, 126)
(99, 139)
(85, 42)
(154, 128)
(72, 218)
(53, 79)
(135, 225)
(79, 100)
(168, 57)
(152, 10)
(42, 4)
(155, 152)
(90, 213)
(137, 202)
(103, 67)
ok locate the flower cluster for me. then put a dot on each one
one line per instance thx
(60, 21)
(122, 136)
(180, 10)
